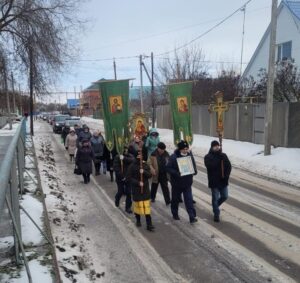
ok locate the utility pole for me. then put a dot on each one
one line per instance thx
(7, 98)
(76, 101)
(80, 94)
(13, 91)
(20, 101)
(152, 92)
(141, 78)
(31, 89)
(270, 86)
(243, 37)
(115, 69)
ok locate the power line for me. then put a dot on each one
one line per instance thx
(208, 31)
(168, 31)
(178, 48)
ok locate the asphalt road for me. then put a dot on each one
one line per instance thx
(256, 241)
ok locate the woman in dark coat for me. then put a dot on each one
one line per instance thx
(84, 159)
(140, 190)
(108, 158)
(97, 144)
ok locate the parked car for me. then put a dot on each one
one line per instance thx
(71, 122)
(58, 123)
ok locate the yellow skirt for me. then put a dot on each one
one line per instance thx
(142, 207)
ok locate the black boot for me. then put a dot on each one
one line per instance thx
(84, 178)
(111, 176)
(88, 178)
(138, 220)
(150, 227)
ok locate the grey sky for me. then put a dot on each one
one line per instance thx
(119, 28)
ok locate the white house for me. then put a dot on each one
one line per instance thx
(287, 39)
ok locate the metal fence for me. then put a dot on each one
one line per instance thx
(11, 183)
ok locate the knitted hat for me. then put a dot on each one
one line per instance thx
(215, 143)
(182, 145)
(161, 145)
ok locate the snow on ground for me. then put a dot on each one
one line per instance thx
(6, 242)
(39, 274)
(30, 234)
(5, 131)
(283, 165)
(70, 238)
(40, 262)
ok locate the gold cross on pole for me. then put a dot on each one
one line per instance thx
(220, 107)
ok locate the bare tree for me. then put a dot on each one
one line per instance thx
(187, 64)
(39, 34)
(286, 85)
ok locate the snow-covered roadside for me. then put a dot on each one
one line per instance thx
(75, 262)
(283, 165)
(36, 249)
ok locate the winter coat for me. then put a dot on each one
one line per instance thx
(177, 181)
(84, 158)
(83, 136)
(151, 142)
(213, 163)
(97, 144)
(65, 131)
(127, 160)
(158, 163)
(70, 143)
(133, 177)
(108, 157)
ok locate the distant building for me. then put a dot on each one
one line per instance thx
(287, 40)
(73, 103)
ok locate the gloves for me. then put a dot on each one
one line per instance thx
(66, 148)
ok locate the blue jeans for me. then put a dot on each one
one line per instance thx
(219, 195)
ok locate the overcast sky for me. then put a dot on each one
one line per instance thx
(119, 28)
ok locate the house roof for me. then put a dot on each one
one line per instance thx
(94, 86)
(294, 8)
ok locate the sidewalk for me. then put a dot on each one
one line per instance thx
(94, 241)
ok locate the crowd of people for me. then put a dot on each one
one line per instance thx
(146, 160)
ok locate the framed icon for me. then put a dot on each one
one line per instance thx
(116, 104)
(182, 104)
(185, 165)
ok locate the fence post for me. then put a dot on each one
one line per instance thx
(15, 207)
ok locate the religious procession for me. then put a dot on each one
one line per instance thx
(138, 160)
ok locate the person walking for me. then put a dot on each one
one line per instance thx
(158, 161)
(85, 134)
(65, 131)
(70, 144)
(97, 144)
(182, 184)
(218, 172)
(84, 159)
(121, 164)
(138, 176)
(108, 160)
(152, 141)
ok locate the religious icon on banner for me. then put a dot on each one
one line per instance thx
(140, 129)
(116, 105)
(182, 104)
(138, 125)
(186, 166)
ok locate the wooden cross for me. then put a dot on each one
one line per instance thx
(220, 107)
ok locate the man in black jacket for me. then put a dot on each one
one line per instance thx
(121, 164)
(181, 183)
(218, 171)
